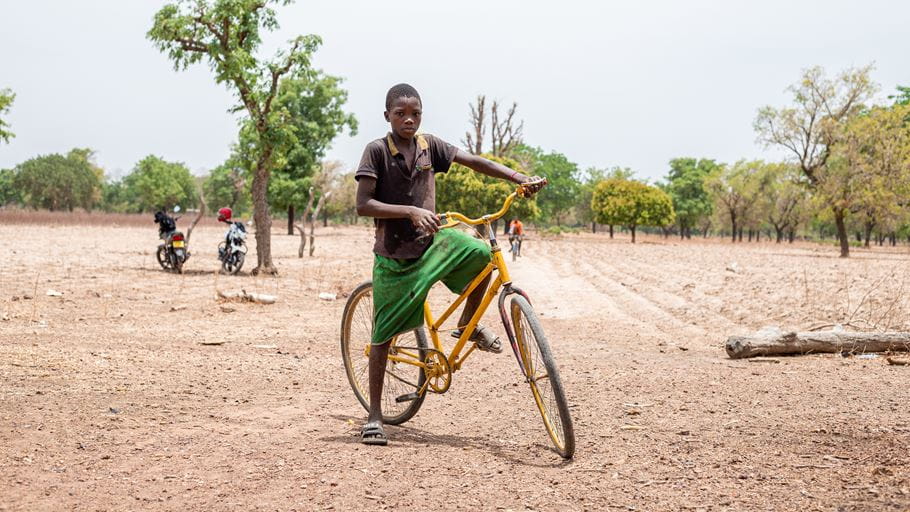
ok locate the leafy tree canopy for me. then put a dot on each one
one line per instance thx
(58, 182)
(563, 177)
(155, 184)
(9, 194)
(314, 106)
(632, 204)
(474, 194)
(227, 186)
(6, 101)
(902, 97)
(686, 186)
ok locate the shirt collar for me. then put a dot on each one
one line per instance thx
(422, 144)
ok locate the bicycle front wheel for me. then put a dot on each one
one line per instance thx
(543, 376)
(401, 380)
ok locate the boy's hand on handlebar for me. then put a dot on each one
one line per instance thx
(424, 221)
(531, 185)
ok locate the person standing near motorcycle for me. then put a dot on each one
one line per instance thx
(233, 250)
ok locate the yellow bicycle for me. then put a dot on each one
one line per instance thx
(414, 369)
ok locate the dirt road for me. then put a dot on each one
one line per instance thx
(110, 401)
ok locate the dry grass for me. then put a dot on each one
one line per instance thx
(81, 218)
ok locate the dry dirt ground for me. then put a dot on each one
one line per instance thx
(110, 401)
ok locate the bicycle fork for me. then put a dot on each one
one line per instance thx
(509, 289)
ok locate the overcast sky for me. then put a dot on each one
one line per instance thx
(631, 83)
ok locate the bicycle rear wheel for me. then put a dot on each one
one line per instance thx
(543, 376)
(401, 379)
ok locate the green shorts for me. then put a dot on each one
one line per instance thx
(400, 287)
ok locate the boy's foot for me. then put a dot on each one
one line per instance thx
(372, 433)
(485, 339)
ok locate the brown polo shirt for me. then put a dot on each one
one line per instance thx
(395, 184)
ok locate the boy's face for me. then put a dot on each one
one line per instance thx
(404, 115)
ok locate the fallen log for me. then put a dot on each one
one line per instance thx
(245, 296)
(775, 342)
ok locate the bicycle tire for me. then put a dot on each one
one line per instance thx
(548, 391)
(356, 328)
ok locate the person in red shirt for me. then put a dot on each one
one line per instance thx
(516, 232)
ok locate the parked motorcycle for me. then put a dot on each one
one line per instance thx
(232, 251)
(173, 253)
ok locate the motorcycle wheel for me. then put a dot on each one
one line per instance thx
(163, 258)
(176, 263)
(232, 263)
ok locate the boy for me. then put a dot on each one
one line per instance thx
(396, 186)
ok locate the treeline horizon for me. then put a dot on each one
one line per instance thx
(848, 176)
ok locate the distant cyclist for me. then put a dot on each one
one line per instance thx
(516, 234)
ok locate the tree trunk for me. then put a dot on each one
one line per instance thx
(325, 217)
(780, 233)
(632, 229)
(750, 235)
(593, 227)
(291, 219)
(792, 236)
(302, 226)
(839, 215)
(774, 342)
(867, 229)
(733, 225)
(261, 216)
(740, 234)
(893, 239)
(202, 207)
(611, 231)
(319, 206)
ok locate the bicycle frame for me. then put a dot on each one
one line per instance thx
(502, 281)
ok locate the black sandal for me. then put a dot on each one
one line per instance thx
(372, 433)
(484, 338)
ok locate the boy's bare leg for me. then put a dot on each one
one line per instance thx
(473, 302)
(379, 355)
(372, 432)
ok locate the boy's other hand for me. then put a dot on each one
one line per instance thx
(424, 221)
(531, 185)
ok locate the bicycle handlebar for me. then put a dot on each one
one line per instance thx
(458, 218)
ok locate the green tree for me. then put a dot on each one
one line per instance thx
(869, 171)
(593, 176)
(735, 190)
(686, 186)
(631, 204)
(226, 186)
(902, 97)
(6, 101)
(9, 194)
(226, 34)
(808, 128)
(343, 201)
(563, 177)
(115, 197)
(783, 198)
(474, 194)
(156, 184)
(315, 104)
(58, 182)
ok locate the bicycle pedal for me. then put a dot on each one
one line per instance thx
(407, 398)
